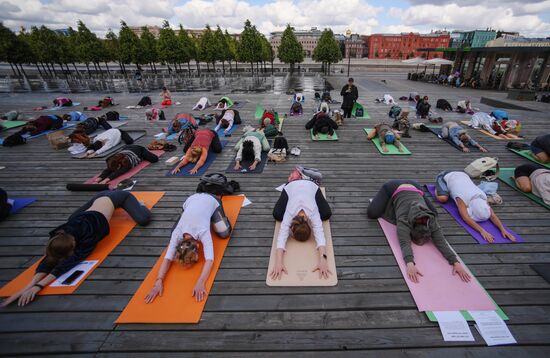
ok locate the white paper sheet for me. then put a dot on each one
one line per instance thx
(492, 328)
(246, 202)
(280, 187)
(453, 326)
(85, 266)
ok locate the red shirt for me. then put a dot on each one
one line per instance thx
(203, 138)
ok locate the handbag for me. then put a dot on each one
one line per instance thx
(484, 168)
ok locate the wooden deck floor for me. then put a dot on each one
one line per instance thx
(371, 309)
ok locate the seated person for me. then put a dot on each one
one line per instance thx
(74, 241)
(197, 150)
(203, 103)
(322, 123)
(464, 106)
(444, 105)
(202, 212)
(155, 114)
(296, 108)
(413, 96)
(325, 97)
(423, 107)
(402, 124)
(459, 136)
(540, 148)
(180, 122)
(403, 203)
(385, 135)
(301, 208)
(42, 124)
(268, 118)
(74, 116)
(471, 202)
(145, 101)
(249, 148)
(299, 97)
(227, 119)
(107, 140)
(5, 204)
(166, 97)
(122, 162)
(533, 178)
(324, 107)
(62, 102)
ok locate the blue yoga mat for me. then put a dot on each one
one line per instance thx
(58, 108)
(259, 168)
(184, 171)
(221, 134)
(68, 125)
(20, 203)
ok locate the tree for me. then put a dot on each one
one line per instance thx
(88, 46)
(249, 48)
(231, 49)
(209, 47)
(112, 49)
(148, 47)
(267, 52)
(327, 50)
(187, 47)
(129, 46)
(222, 47)
(168, 45)
(290, 51)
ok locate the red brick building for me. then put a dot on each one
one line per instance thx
(403, 46)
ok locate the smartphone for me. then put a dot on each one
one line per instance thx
(73, 277)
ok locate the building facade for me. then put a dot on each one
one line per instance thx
(308, 39)
(475, 38)
(355, 46)
(403, 46)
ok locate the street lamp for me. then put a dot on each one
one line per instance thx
(348, 36)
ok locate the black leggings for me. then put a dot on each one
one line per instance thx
(347, 112)
(121, 199)
(322, 205)
(126, 137)
(378, 205)
(5, 207)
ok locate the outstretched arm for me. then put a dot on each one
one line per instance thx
(181, 165)
(199, 291)
(505, 234)
(29, 292)
(158, 287)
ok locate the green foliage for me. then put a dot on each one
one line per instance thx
(267, 50)
(327, 49)
(249, 48)
(9, 44)
(290, 51)
(168, 45)
(111, 46)
(148, 45)
(231, 47)
(129, 45)
(187, 45)
(86, 44)
(222, 46)
(208, 46)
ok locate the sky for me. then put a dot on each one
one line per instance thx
(530, 18)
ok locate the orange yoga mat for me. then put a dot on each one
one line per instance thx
(176, 305)
(120, 225)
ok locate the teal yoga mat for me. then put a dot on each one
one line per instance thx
(505, 175)
(392, 149)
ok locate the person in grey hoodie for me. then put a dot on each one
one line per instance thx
(402, 202)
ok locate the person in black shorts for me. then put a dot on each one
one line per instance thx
(540, 148)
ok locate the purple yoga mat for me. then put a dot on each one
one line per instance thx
(452, 209)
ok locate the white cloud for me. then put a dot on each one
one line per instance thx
(453, 16)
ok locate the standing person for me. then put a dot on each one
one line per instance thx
(166, 97)
(350, 94)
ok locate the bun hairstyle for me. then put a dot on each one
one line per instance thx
(59, 247)
(301, 231)
(248, 151)
(187, 252)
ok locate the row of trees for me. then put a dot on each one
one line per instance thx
(47, 49)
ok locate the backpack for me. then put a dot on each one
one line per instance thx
(13, 140)
(145, 101)
(217, 184)
(161, 145)
(187, 136)
(161, 116)
(112, 116)
(270, 130)
(280, 143)
(394, 111)
(484, 168)
(499, 114)
(359, 112)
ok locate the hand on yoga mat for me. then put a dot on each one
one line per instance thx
(322, 267)
(199, 291)
(194, 170)
(413, 272)
(279, 268)
(459, 270)
(155, 291)
(486, 236)
(507, 235)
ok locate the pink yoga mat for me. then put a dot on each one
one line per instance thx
(438, 289)
(491, 228)
(113, 183)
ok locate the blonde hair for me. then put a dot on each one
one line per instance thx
(195, 154)
(187, 252)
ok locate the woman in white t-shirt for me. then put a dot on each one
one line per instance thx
(301, 208)
(201, 213)
(471, 202)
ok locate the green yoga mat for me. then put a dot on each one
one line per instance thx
(324, 137)
(12, 124)
(356, 106)
(525, 153)
(392, 149)
(506, 174)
